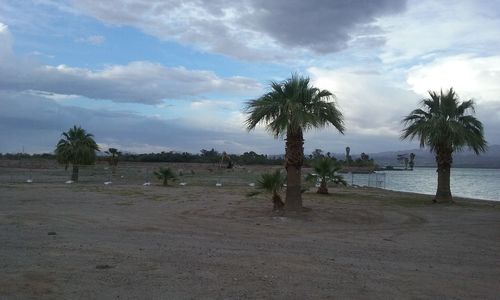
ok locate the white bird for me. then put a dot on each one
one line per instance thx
(183, 183)
(69, 182)
(218, 184)
(251, 184)
(107, 182)
(29, 180)
(147, 183)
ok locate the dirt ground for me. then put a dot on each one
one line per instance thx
(91, 241)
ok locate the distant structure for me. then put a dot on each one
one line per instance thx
(403, 159)
(412, 161)
(408, 160)
(348, 157)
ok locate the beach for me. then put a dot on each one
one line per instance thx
(95, 241)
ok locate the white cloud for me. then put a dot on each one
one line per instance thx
(5, 42)
(213, 104)
(470, 76)
(374, 104)
(370, 103)
(432, 28)
(140, 81)
(92, 39)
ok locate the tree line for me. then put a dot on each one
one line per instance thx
(291, 107)
(113, 156)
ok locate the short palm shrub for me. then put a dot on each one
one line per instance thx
(165, 174)
(325, 171)
(273, 183)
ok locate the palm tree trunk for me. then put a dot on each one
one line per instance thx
(114, 164)
(323, 188)
(294, 158)
(165, 181)
(444, 160)
(277, 202)
(74, 174)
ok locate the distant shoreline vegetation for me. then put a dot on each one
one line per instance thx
(424, 160)
(209, 156)
(205, 156)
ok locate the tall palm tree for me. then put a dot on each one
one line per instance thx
(77, 147)
(325, 169)
(290, 108)
(445, 126)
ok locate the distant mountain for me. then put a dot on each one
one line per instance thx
(424, 158)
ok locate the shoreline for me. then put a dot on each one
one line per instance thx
(461, 198)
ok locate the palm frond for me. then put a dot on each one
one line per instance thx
(443, 122)
(294, 105)
(76, 147)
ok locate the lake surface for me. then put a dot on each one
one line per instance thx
(465, 182)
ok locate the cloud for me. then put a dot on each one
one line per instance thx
(371, 105)
(322, 26)
(139, 81)
(253, 29)
(92, 39)
(213, 105)
(470, 76)
(5, 41)
(429, 29)
(37, 122)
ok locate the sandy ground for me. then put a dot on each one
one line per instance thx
(90, 241)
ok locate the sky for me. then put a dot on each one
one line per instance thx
(151, 76)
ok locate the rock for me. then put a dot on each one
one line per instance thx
(103, 267)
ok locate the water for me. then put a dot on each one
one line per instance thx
(465, 182)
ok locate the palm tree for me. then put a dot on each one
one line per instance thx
(165, 174)
(113, 159)
(77, 147)
(325, 170)
(273, 183)
(290, 108)
(445, 126)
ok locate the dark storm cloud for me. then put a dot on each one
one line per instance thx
(323, 25)
(257, 29)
